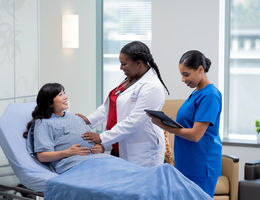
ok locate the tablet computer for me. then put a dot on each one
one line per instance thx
(165, 118)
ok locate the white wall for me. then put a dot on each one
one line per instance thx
(73, 68)
(179, 26)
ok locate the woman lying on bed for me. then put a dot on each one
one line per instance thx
(53, 135)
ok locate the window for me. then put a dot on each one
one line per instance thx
(244, 70)
(19, 54)
(123, 21)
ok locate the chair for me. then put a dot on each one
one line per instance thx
(171, 108)
(227, 185)
(249, 189)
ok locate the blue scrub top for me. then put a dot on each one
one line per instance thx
(203, 158)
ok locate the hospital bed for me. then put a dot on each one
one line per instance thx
(98, 178)
(28, 170)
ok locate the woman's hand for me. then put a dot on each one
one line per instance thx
(50, 156)
(98, 148)
(84, 118)
(92, 137)
(77, 150)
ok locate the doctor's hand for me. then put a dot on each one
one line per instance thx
(98, 148)
(92, 137)
(84, 118)
(156, 121)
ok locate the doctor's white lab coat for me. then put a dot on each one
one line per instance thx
(140, 141)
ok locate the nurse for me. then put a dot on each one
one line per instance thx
(197, 147)
(133, 136)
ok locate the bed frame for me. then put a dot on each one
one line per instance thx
(10, 193)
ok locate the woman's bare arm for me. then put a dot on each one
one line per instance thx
(50, 156)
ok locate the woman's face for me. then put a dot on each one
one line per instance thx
(60, 103)
(131, 68)
(191, 77)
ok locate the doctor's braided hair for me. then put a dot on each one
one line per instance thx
(44, 100)
(137, 50)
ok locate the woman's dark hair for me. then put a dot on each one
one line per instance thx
(193, 59)
(137, 50)
(44, 100)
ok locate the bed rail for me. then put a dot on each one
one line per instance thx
(26, 193)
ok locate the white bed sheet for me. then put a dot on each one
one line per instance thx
(29, 171)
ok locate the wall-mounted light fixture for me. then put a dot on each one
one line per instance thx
(70, 31)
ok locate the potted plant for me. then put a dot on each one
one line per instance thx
(257, 125)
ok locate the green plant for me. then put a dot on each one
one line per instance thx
(257, 125)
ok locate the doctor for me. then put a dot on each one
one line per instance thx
(133, 136)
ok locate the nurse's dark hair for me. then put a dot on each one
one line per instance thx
(137, 50)
(44, 100)
(193, 59)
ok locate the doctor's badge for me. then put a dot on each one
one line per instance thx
(133, 97)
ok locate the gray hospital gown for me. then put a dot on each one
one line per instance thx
(59, 133)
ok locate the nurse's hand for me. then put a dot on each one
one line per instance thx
(98, 148)
(156, 121)
(84, 118)
(92, 137)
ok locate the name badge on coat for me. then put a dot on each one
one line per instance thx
(133, 97)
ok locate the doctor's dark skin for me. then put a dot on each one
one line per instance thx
(133, 71)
